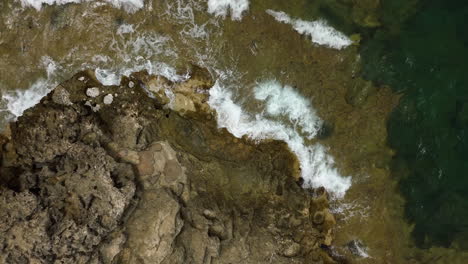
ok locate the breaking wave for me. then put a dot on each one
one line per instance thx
(317, 167)
(222, 7)
(319, 31)
(128, 5)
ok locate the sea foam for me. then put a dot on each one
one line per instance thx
(128, 5)
(317, 167)
(223, 7)
(112, 77)
(319, 31)
(19, 101)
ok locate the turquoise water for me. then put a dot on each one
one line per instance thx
(426, 59)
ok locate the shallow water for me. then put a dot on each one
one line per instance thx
(426, 61)
(246, 50)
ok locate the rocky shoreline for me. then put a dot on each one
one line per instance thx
(131, 174)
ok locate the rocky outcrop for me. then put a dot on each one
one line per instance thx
(140, 173)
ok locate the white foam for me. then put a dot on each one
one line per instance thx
(112, 77)
(317, 167)
(222, 7)
(362, 252)
(285, 101)
(107, 76)
(37, 4)
(182, 12)
(137, 52)
(128, 5)
(319, 31)
(125, 29)
(18, 101)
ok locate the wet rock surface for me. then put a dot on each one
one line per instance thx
(136, 182)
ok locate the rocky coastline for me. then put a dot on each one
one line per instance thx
(131, 174)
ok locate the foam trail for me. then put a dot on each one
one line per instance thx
(222, 7)
(128, 5)
(319, 31)
(317, 167)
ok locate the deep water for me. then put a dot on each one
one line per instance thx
(426, 59)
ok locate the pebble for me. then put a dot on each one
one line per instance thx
(131, 84)
(108, 99)
(92, 92)
(82, 78)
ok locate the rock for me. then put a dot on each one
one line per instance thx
(209, 214)
(90, 138)
(132, 183)
(92, 92)
(183, 104)
(108, 99)
(292, 250)
(131, 84)
(218, 230)
(151, 235)
(129, 156)
(319, 218)
(80, 203)
(94, 108)
(359, 91)
(61, 96)
(329, 220)
(328, 238)
(112, 248)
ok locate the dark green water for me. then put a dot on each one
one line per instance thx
(427, 61)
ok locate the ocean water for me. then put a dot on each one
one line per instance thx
(282, 69)
(426, 61)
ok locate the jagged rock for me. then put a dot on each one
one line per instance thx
(136, 182)
(151, 236)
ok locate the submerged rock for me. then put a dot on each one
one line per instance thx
(137, 182)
